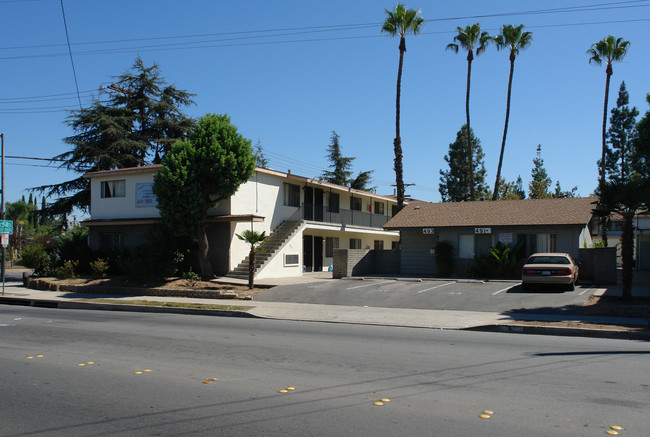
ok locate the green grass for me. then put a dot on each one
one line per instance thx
(172, 304)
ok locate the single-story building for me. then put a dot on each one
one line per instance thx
(541, 225)
(305, 218)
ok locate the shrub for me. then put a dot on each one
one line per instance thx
(502, 262)
(99, 268)
(74, 245)
(67, 270)
(444, 258)
(191, 278)
(36, 256)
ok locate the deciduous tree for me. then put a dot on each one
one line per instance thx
(199, 172)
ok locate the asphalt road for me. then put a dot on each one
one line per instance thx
(499, 297)
(438, 382)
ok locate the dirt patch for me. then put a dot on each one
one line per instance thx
(580, 325)
(127, 286)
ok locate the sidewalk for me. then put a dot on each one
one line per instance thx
(596, 326)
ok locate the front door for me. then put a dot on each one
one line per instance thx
(318, 204)
(309, 203)
(307, 253)
(318, 254)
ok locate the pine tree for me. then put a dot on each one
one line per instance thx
(43, 212)
(136, 125)
(454, 183)
(541, 182)
(261, 160)
(621, 133)
(340, 165)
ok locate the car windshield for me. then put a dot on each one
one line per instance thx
(548, 260)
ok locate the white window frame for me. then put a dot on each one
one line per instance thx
(110, 189)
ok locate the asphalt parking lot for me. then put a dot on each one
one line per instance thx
(437, 294)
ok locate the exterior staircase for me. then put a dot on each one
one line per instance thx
(270, 247)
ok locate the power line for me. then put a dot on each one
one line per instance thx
(67, 37)
(202, 44)
(337, 27)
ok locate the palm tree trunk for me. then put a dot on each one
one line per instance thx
(251, 268)
(397, 143)
(495, 194)
(470, 154)
(608, 75)
(604, 132)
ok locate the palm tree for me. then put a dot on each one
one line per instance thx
(608, 49)
(469, 38)
(254, 239)
(627, 197)
(401, 21)
(515, 39)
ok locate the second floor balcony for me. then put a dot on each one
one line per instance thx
(321, 213)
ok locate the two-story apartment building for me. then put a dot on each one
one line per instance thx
(306, 219)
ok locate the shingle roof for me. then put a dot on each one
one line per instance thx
(566, 211)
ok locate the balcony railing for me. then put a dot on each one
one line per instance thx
(320, 213)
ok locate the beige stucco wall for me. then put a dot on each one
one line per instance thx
(120, 207)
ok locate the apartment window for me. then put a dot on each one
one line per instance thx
(355, 203)
(394, 245)
(331, 243)
(466, 246)
(291, 195)
(355, 243)
(113, 188)
(111, 241)
(334, 203)
(546, 242)
(379, 245)
(379, 208)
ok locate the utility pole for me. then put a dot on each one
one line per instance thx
(2, 208)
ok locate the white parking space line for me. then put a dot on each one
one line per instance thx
(437, 286)
(505, 289)
(585, 290)
(369, 285)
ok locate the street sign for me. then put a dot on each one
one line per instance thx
(4, 240)
(6, 227)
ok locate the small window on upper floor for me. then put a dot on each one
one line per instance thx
(355, 203)
(113, 188)
(379, 208)
(291, 195)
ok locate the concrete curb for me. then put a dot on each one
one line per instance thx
(76, 305)
(616, 334)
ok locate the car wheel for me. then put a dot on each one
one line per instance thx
(525, 286)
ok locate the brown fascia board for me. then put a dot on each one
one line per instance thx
(290, 176)
(315, 181)
(149, 221)
(119, 171)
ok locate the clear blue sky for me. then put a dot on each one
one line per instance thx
(289, 72)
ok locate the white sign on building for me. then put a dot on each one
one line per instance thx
(144, 196)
